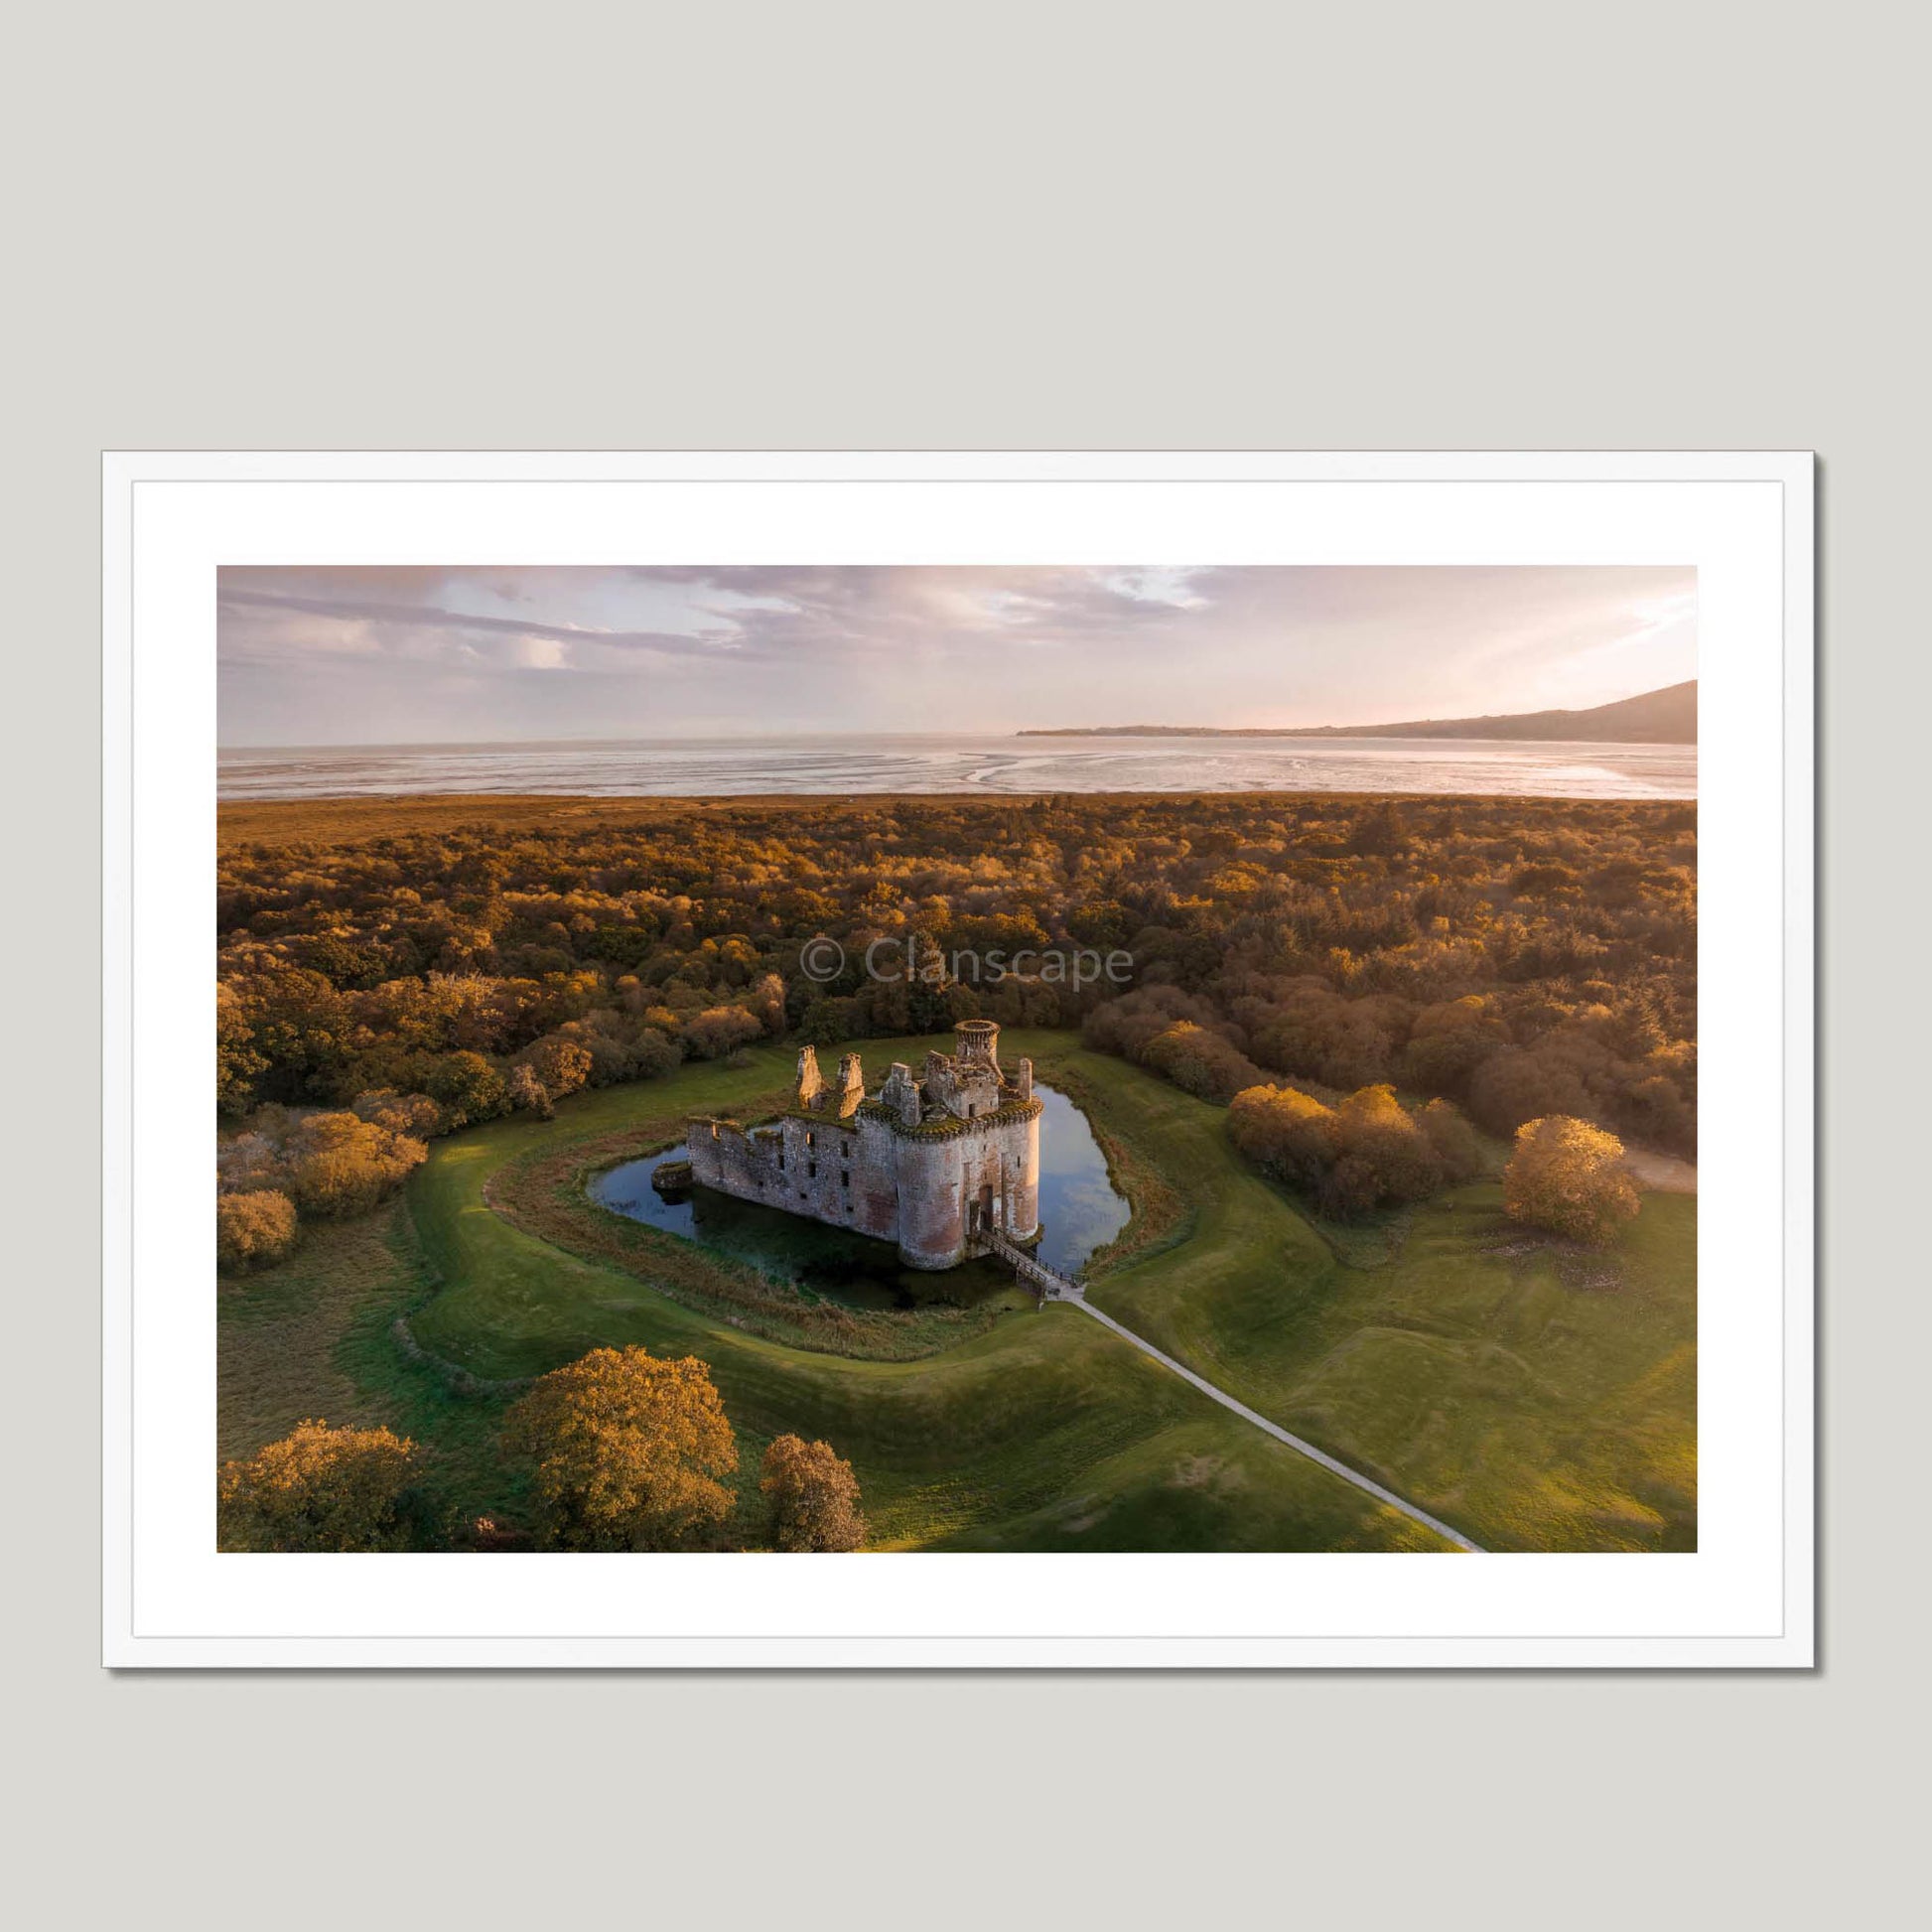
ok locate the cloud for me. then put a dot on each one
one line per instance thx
(314, 654)
(429, 619)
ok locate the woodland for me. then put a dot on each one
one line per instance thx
(389, 971)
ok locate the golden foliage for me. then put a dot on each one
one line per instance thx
(1520, 957)
(339, 1164)
(1568, 1177)
(1366, 1152)
(528, 1094)
(560, 1065)
(629, 1451)
(318, 1488)
(1199, 1061)
(813, 1496)
(251, 1230)
(1287, 1131)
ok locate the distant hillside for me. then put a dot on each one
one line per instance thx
(1666, 717)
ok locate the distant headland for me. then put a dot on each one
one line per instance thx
(1666, 717)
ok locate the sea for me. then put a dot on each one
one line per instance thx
(1001, 764)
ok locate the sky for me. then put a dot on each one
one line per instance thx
(316, 656)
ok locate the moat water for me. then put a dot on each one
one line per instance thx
(1080, 1210)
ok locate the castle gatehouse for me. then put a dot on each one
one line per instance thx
(933, 1161)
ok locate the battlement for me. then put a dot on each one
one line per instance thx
(969, 1083)
(977, 1043)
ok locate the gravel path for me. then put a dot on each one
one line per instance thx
(1663, 1172)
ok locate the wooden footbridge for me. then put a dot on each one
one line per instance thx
(1033, 1272)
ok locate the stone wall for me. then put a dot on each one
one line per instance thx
(923, 1165)
(923, 1190)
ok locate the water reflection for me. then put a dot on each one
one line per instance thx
(1080, 1210)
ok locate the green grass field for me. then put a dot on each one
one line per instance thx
(1534, 1402)
(1536, 1397)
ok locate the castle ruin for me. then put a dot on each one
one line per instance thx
(936, 1163)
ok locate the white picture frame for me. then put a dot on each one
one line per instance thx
(1745, 1598)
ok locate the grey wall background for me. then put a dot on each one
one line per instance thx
(1032, 225)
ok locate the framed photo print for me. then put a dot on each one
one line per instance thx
(975, 1060)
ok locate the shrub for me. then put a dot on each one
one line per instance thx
(1285, 1131)
(1568, 1177)
(318, 1488)
(339, 1164)
(812, 1495)
(251, 1230)
(1200, 1063)
(1369, 1152)
(1454, 1139)
(1373, 1127)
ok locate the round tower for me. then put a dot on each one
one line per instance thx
(931, 1200)
(976, 1042)
(1021, 1158)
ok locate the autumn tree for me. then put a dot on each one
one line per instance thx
(253, 1230)
(1454, 1139)
(340, 1165)
(719, 1031)
(1367, 1151)
(1447, 1040)
(237, 1065)
(1518, 1086)
(318, 1488)
(561, 1064)
(414, 1115)
(528, 1094)
(628, 1452)
(289, 1035)
(1375, 1130)
(653, 1055)
(1313, 1032)
(468, 1089)
(1568, 1177)
(1290, 1133)
(1200, 1061)
(1381, 830)
(1129, 1025)
(768, 1003)
(812, 1495)
(828, 1020)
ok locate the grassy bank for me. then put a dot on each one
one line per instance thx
(1535, 1395)
(543, 1191)
(1467, 1372)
